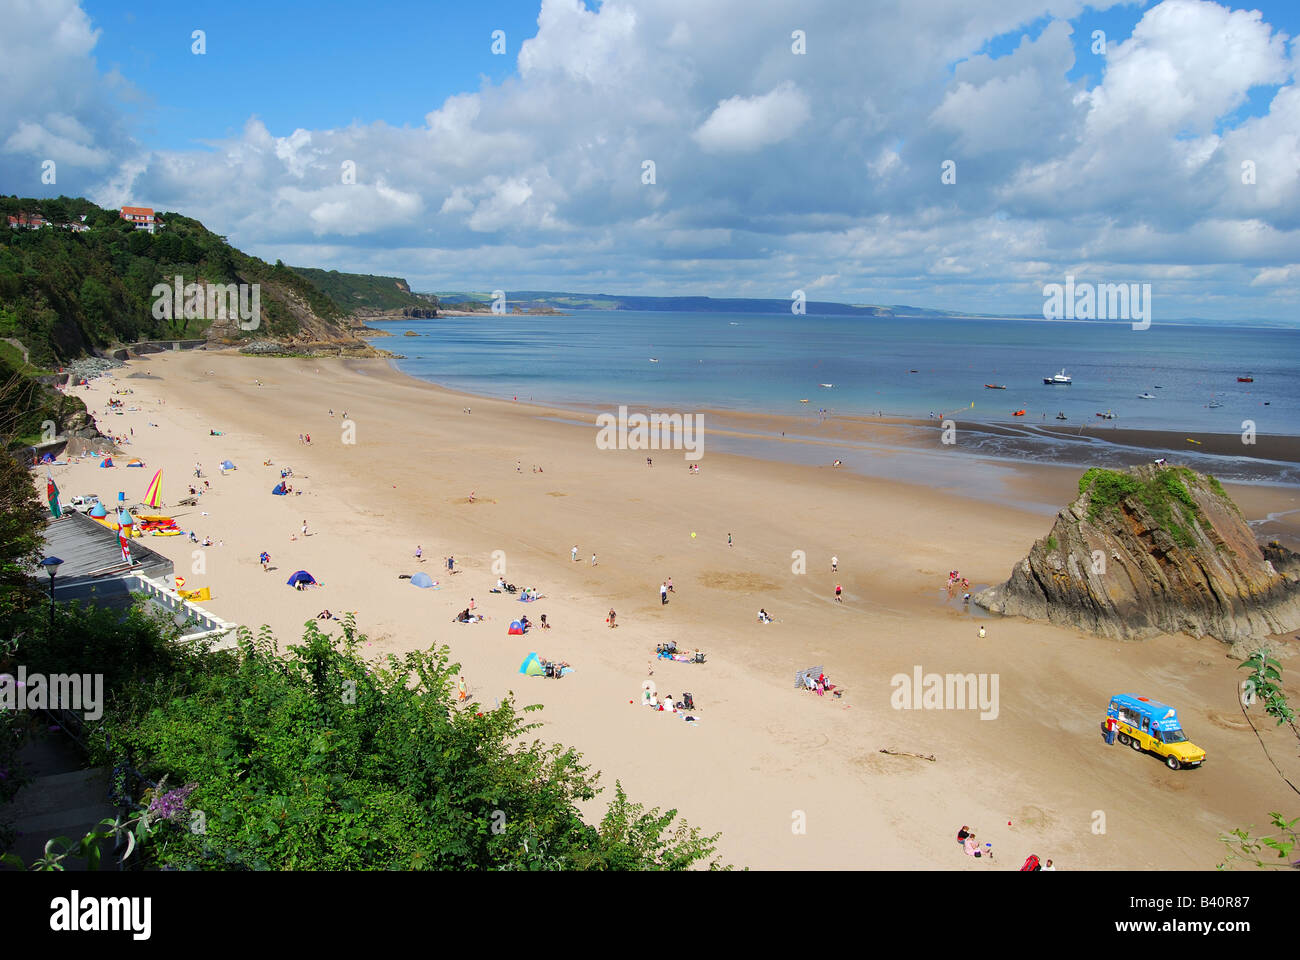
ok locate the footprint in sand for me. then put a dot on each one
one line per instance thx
(1227, 721)
(1033, 817)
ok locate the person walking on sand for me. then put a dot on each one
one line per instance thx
(304, 528)
(728, 539)
(835, 564)
(610, 618)
(462, 693)
(982, 634)
(265, 558)
(839, 591)
(419, 553)
(593, 559)
(574, 553)
(451, 564)
(670, 585)
(663, 593)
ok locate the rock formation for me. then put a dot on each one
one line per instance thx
(1149, 550)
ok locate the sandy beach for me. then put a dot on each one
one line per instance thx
(790, 780)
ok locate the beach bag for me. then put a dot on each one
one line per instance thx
(1031, 863)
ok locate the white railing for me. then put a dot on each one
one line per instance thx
(166, 597)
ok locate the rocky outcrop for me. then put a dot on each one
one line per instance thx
(1154, 549)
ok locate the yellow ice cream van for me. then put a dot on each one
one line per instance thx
(1147, 725)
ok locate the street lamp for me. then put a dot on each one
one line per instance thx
(51, 565)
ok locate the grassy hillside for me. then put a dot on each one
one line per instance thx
(63, 293)
(362, 291)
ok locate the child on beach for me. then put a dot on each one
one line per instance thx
(610, 618)
(574, 553)
(593, 559)
(419, 553)
(839, 593)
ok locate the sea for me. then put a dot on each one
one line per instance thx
(896, 367)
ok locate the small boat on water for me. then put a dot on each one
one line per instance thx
(654, 359)
(805, 400)
(995, 386)
(1061, 416)
(826, 385)
(1018, 413)
(1146, 396)
(1058, 380)
(1245, 379)
(1214, 404)
(1107, 415)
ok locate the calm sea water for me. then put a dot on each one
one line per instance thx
(769, 363)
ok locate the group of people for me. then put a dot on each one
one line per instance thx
(955, 579)
(665, 588)
(966, 840)
(820, 685)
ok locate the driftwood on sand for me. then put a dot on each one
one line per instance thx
(904, 753)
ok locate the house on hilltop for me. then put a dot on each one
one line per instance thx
(141, 217)
(28, 221)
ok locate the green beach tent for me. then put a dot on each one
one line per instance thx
(532, 667)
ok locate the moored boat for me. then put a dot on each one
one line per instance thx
(1058, 380)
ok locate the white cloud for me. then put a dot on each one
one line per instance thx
(742, 124)
(770, 167)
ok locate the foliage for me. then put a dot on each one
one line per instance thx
(1051, 542)
(351, 291)
(315, 759)
(1165, 497)
(21, 513)
(1242, 846)
(63, 293)
(1266, 684)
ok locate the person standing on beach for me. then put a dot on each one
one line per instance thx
(593, 559)
(610, 618)
(670, 585)
(838, 593)
(982, 632)
(728, 539)
(451, 564)
(574, 553)
(835, 564)
(663, 593)
(419, 553)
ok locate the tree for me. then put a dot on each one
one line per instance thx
(21, 514)
(316, 759)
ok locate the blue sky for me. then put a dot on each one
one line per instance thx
(773, 171)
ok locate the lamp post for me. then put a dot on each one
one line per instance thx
(51, 565)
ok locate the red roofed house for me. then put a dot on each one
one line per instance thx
(28, 221)
(142, 217)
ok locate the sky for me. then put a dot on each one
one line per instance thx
(959, 154)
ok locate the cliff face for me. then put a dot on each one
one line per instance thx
(1151, 550)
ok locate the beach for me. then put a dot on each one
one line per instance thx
(791, 780)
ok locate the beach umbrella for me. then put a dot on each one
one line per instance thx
(153, 492)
